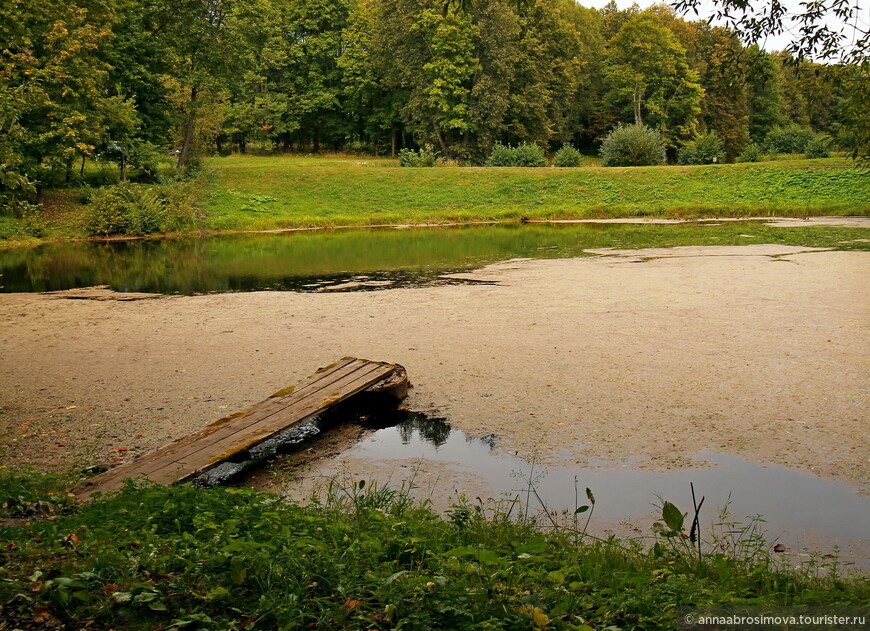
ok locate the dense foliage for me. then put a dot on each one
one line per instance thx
(365, 557)
(818, 147)
(750, 153)
(706, 149)
(788, 140)
(523, 155)
(139, 210)
(131, 82)
(567, 156)
(423, 157)
(633, 146)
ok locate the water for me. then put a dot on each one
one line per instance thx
(354, 259)
(791, 501)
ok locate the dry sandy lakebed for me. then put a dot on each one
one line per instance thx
(647, 357)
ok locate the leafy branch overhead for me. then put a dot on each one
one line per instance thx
(831, 30)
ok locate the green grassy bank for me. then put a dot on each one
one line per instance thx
(272, 192)
(363, 558)
(280, 192)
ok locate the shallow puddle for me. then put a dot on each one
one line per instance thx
(797, 507)
(360, 259)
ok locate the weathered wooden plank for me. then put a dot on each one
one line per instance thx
(254, 413)
(225, 444)
(198, 452)
(230, 424)
(161, 466)
(278, 411)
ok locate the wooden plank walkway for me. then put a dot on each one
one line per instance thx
(196, 453)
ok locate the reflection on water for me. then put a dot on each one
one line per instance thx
(419, 427)
(357, 259)
(791, 501)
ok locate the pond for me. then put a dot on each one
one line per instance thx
(723, 351)
(358, 259)
(795, 507)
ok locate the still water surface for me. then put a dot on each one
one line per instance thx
(792, 502)
(354, 259)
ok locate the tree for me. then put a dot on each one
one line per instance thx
(438, 103)
(54, 93)
(588, 120)
(854, 121)
(647, 72)
(725, 106)
(371, 107)
(196, 45)
(826, 30)
(547, 78)
(765, 97)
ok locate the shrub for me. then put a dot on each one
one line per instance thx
(568, 156)
(424, 157)
(124, 209)
(792, 139)
(632, 146)
(136, 210)
(33, 222)
(706, 149)
(501, 156)
(750, 153)
(529, 155)
(183, 207)
(819, 147)
(523, 155)
(192, 167)
(147, 158)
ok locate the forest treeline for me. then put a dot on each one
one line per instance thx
(130, 80)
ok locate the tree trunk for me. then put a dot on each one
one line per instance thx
(188, 128)
(82, 170)
(441, 141)
(317, 140)
(123, 164)
(394, 141)
(638, 119)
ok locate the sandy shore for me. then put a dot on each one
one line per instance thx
(647, 357)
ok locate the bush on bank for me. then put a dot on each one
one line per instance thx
(632, 146)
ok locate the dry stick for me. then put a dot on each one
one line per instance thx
(694, 532)
(591, 510)
(529, 491)
(546, 512)
(511, 509)
(576, 506)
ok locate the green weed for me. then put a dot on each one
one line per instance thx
(364, 557)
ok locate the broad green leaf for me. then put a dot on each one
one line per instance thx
(672, 516)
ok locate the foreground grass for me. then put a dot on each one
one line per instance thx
(178, 557)
(258, 193)
(274, 192)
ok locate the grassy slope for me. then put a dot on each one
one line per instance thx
(268, 192)
(274, 192)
